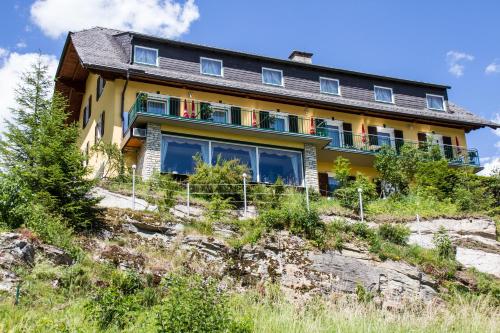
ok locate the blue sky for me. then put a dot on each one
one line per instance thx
(408, 39)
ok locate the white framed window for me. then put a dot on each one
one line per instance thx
(145, 55)
(329, 86)
(383, 94)
(279, 121)
(211, 67)
(220, 113)
(435, 102)
(272, 76)
(385, 136)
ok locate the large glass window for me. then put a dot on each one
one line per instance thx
(245, 154)
(211, 66)
(279, 122)
(177, 154)
(435, 102)
(145, 55)
(272, 76)
(329, 86)
(275, 163)
(383, 94)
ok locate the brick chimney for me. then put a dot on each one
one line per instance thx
(301, 56)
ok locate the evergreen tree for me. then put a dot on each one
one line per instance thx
(39, 150)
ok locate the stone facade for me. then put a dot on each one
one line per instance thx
(149, 157)
(311, 167)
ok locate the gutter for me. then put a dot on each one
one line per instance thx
(123, 103)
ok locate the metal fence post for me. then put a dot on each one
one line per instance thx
(188, 199)
(245, 193)
(307, 198)
(133, 186)
(360, 190)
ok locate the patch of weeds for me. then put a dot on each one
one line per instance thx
(395, 233)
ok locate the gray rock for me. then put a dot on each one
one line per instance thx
(115, 200)
(55, 254)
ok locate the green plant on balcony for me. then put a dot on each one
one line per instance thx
(143, 102)
(206, 111)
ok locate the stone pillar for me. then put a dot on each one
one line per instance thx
(149, 156)
(311, 167)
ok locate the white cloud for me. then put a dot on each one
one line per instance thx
(21, 45)
(456, 60)
(492, 68)
(167, 18)
(12, 65)
(490, 167)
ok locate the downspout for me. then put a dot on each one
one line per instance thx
(124, 130)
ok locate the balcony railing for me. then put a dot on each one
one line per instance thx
(371, 144)
(216, 113)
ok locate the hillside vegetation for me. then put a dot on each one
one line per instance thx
(160, 286)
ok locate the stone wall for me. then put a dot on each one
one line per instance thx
(311, 167)
(149, 157)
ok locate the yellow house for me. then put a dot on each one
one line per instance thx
(163, 102)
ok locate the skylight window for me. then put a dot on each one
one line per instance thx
(383, 94)
(435, 102)
(145, 55)
(211, 66)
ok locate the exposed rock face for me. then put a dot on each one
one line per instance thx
(15, 250)
(475, 240)
(18, 250)
(301, 271)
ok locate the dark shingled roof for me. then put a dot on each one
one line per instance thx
(99, 49)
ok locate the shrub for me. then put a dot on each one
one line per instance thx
(195, 305)
(219, 208)
(443, 244)
(116, 304)
(114, 163)
(342, 170)
(395, 233)
(225, 178)
(162, 191)
(348, 195)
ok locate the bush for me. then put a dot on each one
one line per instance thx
(348, 195)
(443, 244)
(195, 305)
(116, 304)
(162, 191)
(219, 209)
(225, 178)
(395, 233)
(294, 216)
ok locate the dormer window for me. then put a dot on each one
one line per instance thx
(145, 55)
(211, 67)
(383, 94)
(435, 102)
(329, 86)
(272, 76)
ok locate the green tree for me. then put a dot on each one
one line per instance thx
(39, 150)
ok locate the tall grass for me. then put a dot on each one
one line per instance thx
(411, 205)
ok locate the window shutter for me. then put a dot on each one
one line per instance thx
(97, 90)
(235, 115)
(447, 147)
(348, 140)
(264, 119)
(399, 141)
(175, 106)
(372, 135)
(293, 123)
(90, 106)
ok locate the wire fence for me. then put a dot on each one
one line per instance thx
(239, 197)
